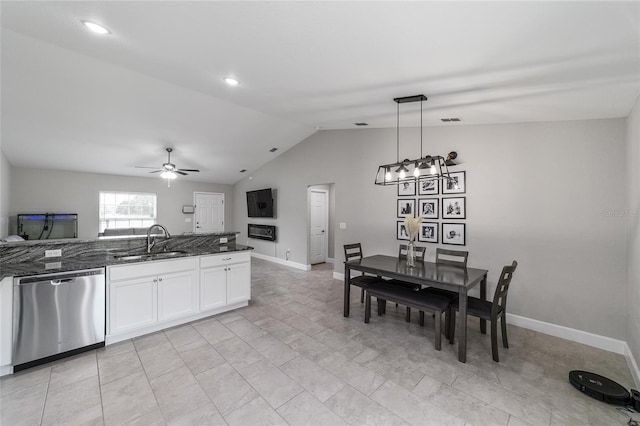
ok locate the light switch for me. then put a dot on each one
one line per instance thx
(343, 225)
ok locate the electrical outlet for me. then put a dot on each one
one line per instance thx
(53, 253)
(343, 225)
(223, 240)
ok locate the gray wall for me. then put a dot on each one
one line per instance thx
(536, 192)
(632, 214)
(40, 191)
(5, 182)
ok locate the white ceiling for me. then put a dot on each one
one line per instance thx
(78, 101)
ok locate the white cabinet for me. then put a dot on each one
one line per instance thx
(6, 321)
(144, 294)
(150, 296)
(225, 279)
(132, 304)
(238, 282)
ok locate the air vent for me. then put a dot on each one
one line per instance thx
(243, 170)
(273, 149)
(361, 124)
(446, 120)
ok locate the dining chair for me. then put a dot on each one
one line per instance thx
(354, 252)
(491, 311)
(452, 257)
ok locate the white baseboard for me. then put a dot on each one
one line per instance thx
(330, 260)
(281, 261)
(590, 339)
(6, 370)
(633, 365)
(338, 276)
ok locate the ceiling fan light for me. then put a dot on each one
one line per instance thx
(168, 174)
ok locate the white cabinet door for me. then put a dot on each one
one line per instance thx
(6, 320)
(132, 304)
(177, 295)
(238, 282)
(213, 287)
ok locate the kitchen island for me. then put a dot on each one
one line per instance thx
(181, 279)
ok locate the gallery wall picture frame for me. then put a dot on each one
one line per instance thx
(448, 186)
(454, 207)
(428, 208)
(401, 231)
(454, 233)
(407, 189)
(428, 187)
(428, 232)
(406, 206)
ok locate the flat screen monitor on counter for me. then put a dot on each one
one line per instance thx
(260, 203)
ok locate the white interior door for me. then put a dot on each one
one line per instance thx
(209, 212)
(318, 213)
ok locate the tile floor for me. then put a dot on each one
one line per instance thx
(291, 358)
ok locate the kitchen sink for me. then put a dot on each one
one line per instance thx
(158, 255)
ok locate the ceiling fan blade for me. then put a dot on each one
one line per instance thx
(155, 171)
(181, 173)
(189, 170)
(146, 167)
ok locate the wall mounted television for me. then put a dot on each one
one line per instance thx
(260, 203)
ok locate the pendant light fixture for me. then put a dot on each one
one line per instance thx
(429, 167)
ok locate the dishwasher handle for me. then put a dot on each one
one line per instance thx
(58, 282)
(62, 277)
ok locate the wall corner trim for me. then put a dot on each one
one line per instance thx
(338, 276)
(633, 365)
(330, 260)
(281, 261)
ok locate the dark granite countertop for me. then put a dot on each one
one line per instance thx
(104, 258)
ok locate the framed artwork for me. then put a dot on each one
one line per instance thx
(406, 206)
(428, 208)
(454, 233)
(428, 187)
(448, 187)
(401, 232)
(454, 207)
(407, 189)
(428, 232)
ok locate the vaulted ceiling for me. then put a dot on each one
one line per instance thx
(75, 100)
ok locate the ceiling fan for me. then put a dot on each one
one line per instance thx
(169, 170)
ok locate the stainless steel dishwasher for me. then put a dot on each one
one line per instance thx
(57, 315)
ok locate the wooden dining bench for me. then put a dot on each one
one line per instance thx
(411, 299)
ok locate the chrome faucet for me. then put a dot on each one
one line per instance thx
(151, 243)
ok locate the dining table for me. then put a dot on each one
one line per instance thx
(426, 274)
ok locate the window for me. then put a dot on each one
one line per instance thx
(126, 210)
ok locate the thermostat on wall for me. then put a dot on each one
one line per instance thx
(187, 209)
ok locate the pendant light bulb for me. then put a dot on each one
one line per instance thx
(432, 170)
(416, 170)
(402, 174)
(387, 175)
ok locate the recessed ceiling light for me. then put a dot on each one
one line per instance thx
(273, 149)
(98, 29)
(361, 124)
(231, 81)
(243, 170)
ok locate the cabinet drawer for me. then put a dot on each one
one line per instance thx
(224, 259)
(146, 269)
